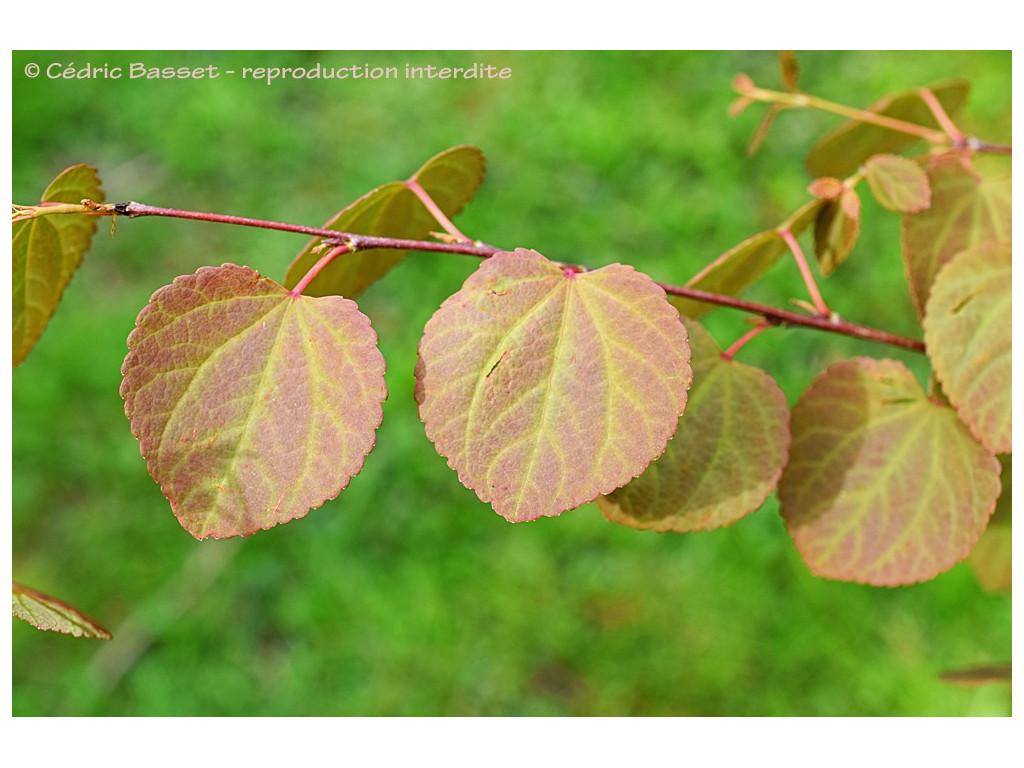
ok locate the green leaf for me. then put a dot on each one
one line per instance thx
(836, 230)
(49, 613)
(733, 272)
(726, 457)
(744, 264)
(897, 183)
(841, 152)
(46, 252)
(883, 486)
(544, 387)
(392, 210)
(968, 335)
(250, 406)
(966, 210)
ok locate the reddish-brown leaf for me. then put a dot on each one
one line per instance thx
(544, 387)
(883, 485)
(251, 406)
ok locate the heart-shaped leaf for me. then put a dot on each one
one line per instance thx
(544, 387)
(726, 457)
(966, 210)
(883, 486)
(897, 183)
(251, 406)
(392, 210)
(46, 252)
(49, 613)
(967, 331)
(841, 152)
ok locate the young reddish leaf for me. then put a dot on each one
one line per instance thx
(726, 457)
(992, 557)
(744, 264)
(393, 210)
(897, 183)
(545, 388)
(826, 188)
(251, 407)
(965, 210)
(883, 486)
(967, 331)
(49, 613)
(46, 252)
(836, 230)
(842, 151)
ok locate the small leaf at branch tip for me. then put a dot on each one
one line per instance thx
(826, 188)
(743, 84)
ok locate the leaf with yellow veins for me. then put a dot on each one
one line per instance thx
(251, 406)
(545, 387)
(884, 486)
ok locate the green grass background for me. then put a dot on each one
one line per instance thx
(407, 596)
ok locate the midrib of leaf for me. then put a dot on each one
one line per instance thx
(569, 284)
(485, 371)
(657, 328)
(285, 306)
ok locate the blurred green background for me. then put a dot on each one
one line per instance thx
(408, 596)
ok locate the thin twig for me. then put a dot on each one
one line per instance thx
(482, 250)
